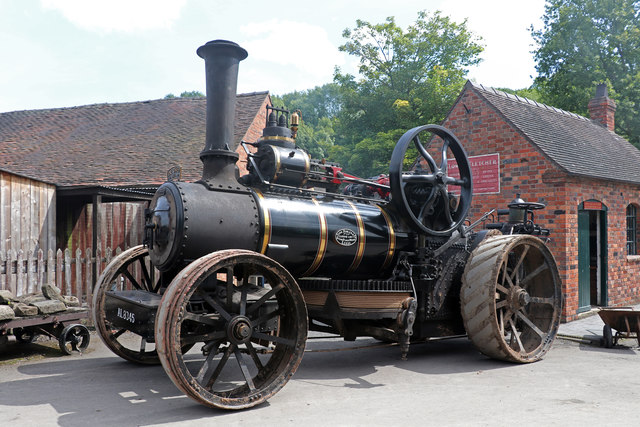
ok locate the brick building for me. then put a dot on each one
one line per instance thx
(588, 177)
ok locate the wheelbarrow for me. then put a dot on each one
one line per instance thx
(71, 335)
(625, 321)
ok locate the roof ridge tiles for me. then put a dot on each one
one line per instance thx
(578, 145)
(526, 100)
(109, 104)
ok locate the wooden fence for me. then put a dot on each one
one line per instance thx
(25, 273)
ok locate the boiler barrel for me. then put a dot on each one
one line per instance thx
(325, 237)
(310, 236)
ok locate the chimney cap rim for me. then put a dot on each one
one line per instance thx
(220, 44)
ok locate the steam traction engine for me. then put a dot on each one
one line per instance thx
(245, 267)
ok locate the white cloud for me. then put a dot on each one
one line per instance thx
(118, 15)
(303, 46)
(503, 25)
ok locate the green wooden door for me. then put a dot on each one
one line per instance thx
(584, 277)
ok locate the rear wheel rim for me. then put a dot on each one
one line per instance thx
(511, 298)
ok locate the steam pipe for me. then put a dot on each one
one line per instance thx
(221, 70)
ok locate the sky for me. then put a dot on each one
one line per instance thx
(65, 53)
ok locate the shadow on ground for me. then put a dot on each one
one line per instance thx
(83, 388)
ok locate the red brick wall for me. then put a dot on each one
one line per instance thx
(525, 170)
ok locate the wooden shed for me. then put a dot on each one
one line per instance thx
(27, 230)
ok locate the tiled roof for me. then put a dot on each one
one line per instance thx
(576, 144)
(113, 144)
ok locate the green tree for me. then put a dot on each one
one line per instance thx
(318, 108)
(406, 78)
(586, 42)
(186, 94)
(314, 104)
(532, 93)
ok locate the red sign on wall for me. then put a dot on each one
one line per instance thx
(591, 205)
(485, 171)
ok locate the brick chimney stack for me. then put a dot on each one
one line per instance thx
(602, 109)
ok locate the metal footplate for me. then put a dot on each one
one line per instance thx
(133, 310)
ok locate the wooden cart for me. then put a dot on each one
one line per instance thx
(625, 321)
(63, 326)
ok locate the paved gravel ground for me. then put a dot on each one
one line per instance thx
(443, 383)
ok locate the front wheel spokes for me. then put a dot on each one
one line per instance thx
(214, 304)
(256, 305)
(243, 299)
(254, 355)
(264, 318)
(280, 340)
(210, 371)
(244, 369)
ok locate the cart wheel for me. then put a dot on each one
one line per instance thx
(607, 336)
(254, 336)
(74, 338)
(24, 335)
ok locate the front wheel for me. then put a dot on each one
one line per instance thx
(129, 270)
(511, 298)
(250, 316)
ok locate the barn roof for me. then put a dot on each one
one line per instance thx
(578, 145)
(121, 144)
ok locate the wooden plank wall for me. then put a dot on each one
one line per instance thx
(121, 226)
(27, 214)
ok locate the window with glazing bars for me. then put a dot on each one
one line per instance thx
(632, 230)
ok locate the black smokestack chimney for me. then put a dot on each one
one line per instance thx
(221, 59)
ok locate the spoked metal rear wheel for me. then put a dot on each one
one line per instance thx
(250, 316)
(511, 298)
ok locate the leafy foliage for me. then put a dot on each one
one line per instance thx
(318, 108)
(586, 42)
(407, 78)
(532, 93)
(186, 94)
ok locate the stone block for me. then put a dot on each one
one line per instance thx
(52, 292)
(31, 298)
(49, 306)
(6, 312)
(23, 310)
(6, 296)
(71, 301)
